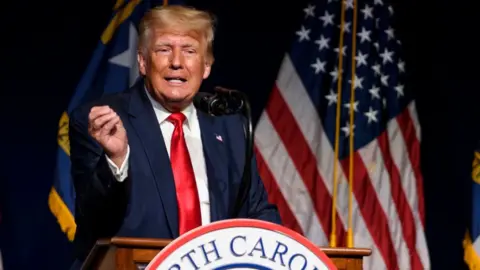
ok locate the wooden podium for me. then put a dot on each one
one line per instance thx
(121, 253)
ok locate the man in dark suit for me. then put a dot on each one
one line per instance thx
(145, 162)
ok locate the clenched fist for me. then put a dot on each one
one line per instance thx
(105, 126)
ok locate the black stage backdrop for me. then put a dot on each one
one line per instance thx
(47, 45)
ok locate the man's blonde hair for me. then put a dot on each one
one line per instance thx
(183, 18)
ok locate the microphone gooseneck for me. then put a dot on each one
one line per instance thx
(226, 102)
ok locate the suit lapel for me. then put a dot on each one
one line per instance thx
(217, 166)
(146, 125)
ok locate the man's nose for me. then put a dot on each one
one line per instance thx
(176, 60)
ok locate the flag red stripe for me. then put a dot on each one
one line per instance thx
(275, 195)
(304, 161)
(372, 211)
(404, 210)
(413, 148)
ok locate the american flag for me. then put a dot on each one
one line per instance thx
(295, 138)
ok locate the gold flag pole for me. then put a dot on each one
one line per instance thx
(333, 235)
(352, 102)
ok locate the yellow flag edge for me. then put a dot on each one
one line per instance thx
(470, 256)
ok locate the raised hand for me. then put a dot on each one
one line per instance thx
(106, 127)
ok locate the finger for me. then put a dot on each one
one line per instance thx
(119, 126)
(107, 128)
(98, 111)
(99, 122)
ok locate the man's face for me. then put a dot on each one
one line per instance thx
(174, 66)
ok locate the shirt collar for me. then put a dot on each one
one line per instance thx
(162, 114)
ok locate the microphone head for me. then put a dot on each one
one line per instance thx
(201, 97)
(202, 101)
(224, 90)
(223, 102)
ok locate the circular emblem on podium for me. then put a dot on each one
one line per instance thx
(241, 244)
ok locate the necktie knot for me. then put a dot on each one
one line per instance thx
(177, 118)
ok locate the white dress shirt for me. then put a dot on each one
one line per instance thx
(191, 129)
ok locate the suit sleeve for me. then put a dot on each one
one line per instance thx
(257, 205)
(100, 197)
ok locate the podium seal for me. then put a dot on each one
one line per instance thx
(241, 244)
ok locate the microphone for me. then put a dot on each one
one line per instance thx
(203, 102)
(223, 102)
(227, 102)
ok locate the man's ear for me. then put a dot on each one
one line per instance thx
(142, 63)
(208, 69)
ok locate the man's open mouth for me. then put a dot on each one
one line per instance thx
(175, 79)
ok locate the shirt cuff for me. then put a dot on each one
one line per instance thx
(122, 172)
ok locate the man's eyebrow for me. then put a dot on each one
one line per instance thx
(187, 45)
(160, 44)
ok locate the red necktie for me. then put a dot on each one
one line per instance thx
(186, 188)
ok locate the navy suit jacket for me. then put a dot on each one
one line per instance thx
(145, 204)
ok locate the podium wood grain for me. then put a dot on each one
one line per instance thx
(347, 258)
(122, 253)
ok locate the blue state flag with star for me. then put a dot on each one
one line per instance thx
(113, 68)
(471, 243)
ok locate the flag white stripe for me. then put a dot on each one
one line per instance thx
(380, 179)
(401, 159)
(422, 246)
(289, 181)
(409, 184)
(412, 109)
